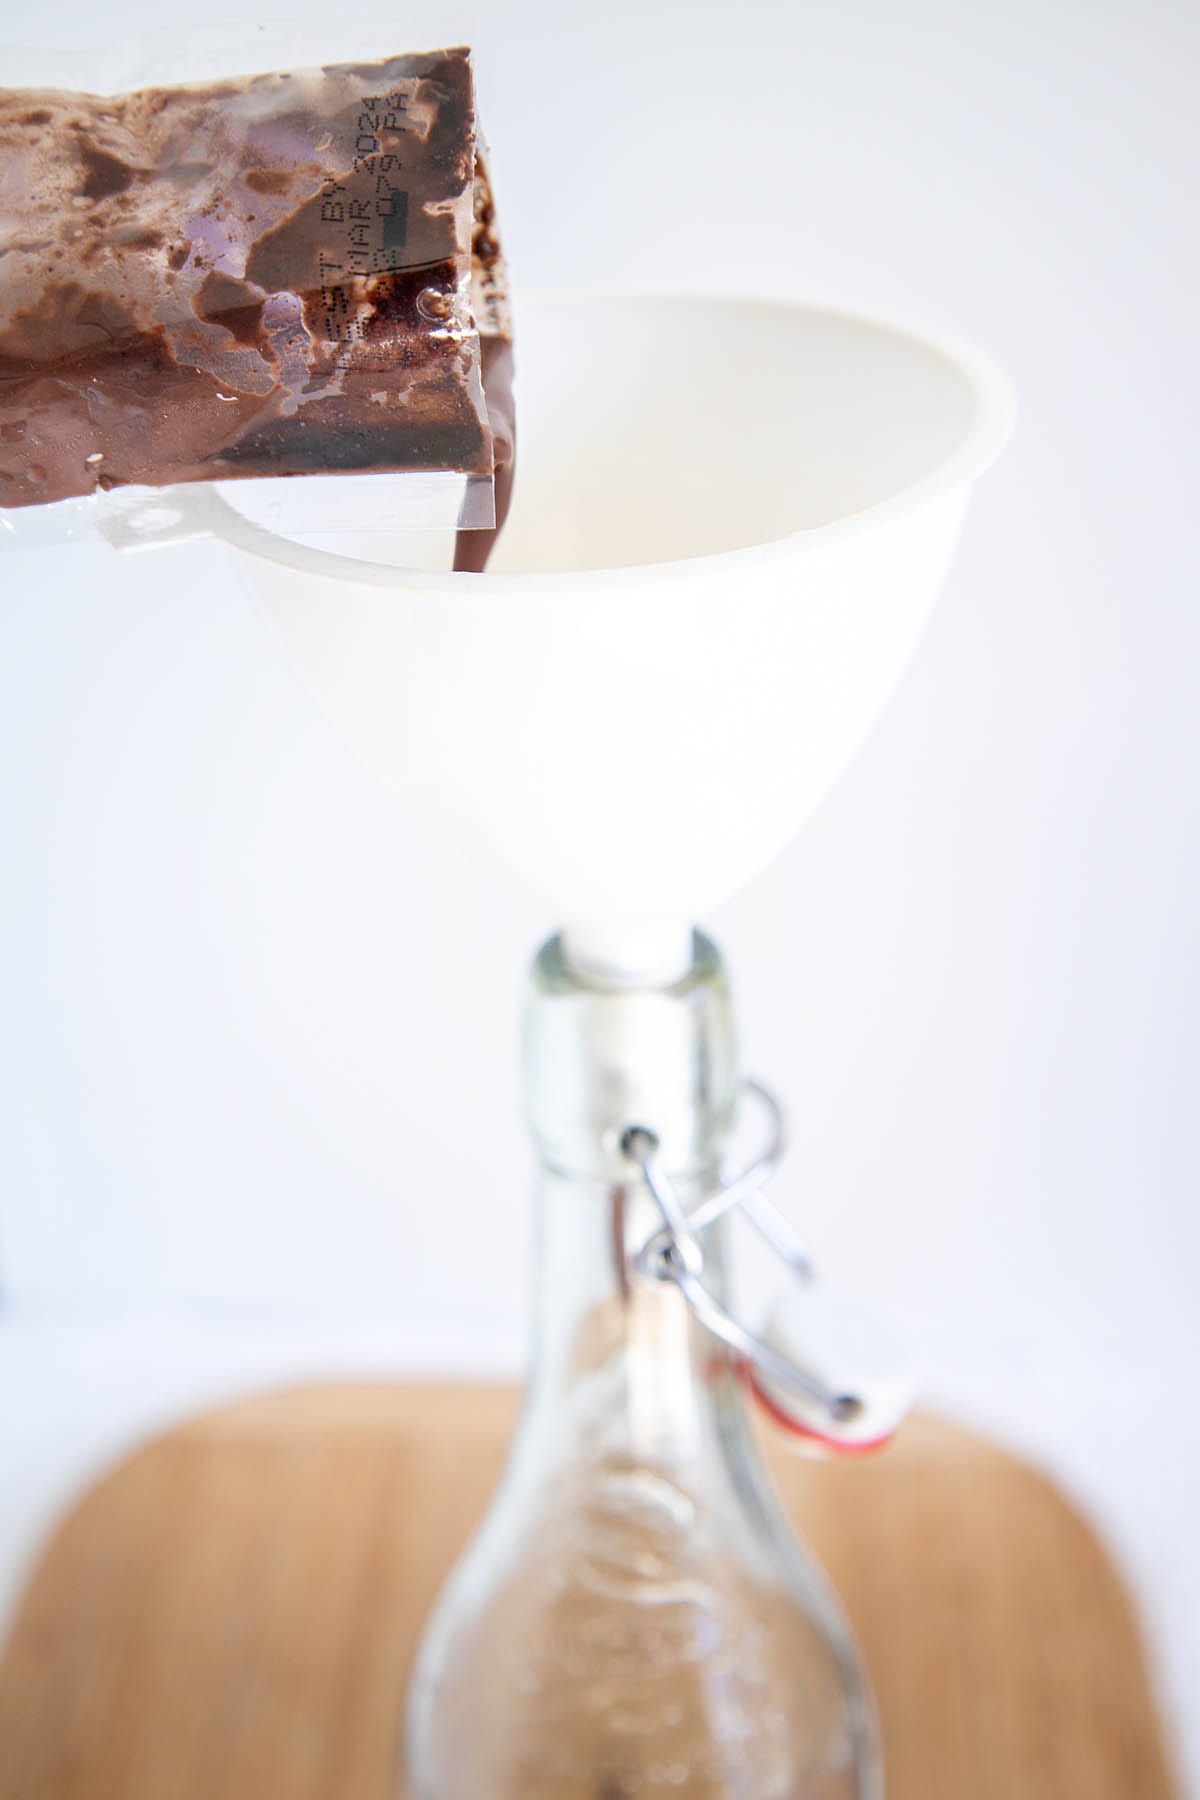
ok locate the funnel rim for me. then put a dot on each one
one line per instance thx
(986, 436)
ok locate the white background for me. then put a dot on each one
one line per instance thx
(257, 1089)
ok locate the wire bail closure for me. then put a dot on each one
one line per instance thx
(676, 1254)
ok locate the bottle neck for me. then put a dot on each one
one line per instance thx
(599, 1059)
(619, 1358)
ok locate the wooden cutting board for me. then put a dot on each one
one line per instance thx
(232, 1613)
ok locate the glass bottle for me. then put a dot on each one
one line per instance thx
(634, 1617)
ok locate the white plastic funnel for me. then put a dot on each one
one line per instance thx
(732, 520)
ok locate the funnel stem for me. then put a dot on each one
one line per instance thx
(641, 953)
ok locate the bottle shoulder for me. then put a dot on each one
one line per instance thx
(644, 1616)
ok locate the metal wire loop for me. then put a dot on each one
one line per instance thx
(676, 1253)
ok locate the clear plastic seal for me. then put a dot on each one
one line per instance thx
(289, 280)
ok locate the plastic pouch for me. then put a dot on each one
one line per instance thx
(256, 278)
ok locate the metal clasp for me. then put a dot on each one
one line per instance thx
(675, 1253)
(799, 1392)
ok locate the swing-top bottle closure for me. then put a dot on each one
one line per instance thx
(642, 1084)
